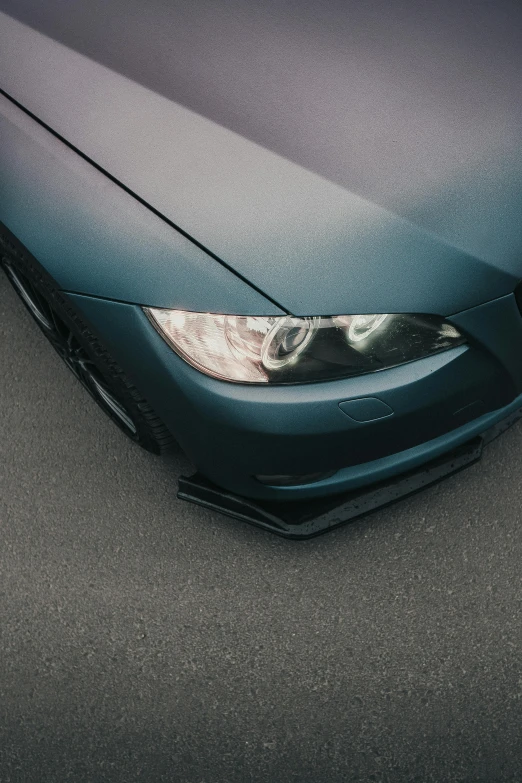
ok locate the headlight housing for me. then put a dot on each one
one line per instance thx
(285, 350)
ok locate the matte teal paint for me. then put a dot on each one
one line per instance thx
(311, 240)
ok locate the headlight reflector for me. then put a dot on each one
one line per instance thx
(283, 350)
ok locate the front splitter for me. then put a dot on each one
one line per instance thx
(311, 517)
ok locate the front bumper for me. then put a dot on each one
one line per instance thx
(232, 432)
(308, 518)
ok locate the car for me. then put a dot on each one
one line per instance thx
(286, 236)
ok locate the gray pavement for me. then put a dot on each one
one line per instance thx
(143, 639)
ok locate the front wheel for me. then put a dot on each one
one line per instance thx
(84, 353)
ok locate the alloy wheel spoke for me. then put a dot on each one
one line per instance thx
(109, 401)
(29, 299)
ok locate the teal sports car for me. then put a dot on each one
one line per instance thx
(286, 235)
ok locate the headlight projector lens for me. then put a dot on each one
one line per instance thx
(286, 341)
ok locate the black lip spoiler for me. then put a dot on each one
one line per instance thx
(307, 518)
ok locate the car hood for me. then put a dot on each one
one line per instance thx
(341, 156)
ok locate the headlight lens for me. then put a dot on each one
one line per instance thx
(283, 350)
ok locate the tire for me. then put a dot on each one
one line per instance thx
(82, 351)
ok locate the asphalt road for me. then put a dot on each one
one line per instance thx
(143, 639)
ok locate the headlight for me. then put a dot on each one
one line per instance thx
(254, 349)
